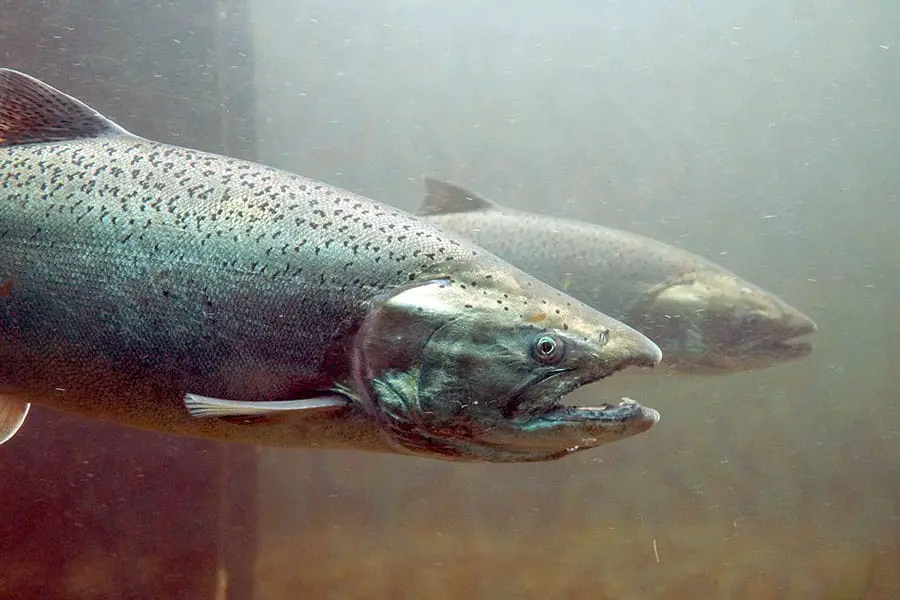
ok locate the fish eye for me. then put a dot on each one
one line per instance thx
(548, 349)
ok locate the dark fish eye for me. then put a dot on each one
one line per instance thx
(548, 349)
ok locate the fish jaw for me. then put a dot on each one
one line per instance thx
(785, 341)
(754, 354)
(449, 373)
(714, 322)
(565, 430)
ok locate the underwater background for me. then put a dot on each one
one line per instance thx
(762, 135)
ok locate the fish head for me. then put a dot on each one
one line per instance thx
(712, 322)
(474, 367)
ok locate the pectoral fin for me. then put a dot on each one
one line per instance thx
(12, 415)
(203, 407)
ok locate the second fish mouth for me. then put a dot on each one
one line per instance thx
(795, 346)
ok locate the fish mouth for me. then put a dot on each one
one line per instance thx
(751, 356)
(795, 347)
(792, 344)
(558, 429)
(797, 342)
(531, 395)
(626, 411)
(604, 422)
(561, 430)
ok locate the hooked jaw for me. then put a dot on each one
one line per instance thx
(564, 430)
(557, 430)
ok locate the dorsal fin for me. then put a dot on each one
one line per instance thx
(32, 111)
(443, 198)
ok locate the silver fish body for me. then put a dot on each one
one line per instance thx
(705, 318)
(172, 289)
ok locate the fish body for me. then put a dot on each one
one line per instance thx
(705, 318)
(166, 288)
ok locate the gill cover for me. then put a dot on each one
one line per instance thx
(391, 358)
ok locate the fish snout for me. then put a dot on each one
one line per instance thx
(646, 352)
(793, 320)
(629, 347)
(805, 324)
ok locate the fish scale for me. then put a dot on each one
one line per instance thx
(215, 238)
(171, 289)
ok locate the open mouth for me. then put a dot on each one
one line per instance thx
(626, 412)
(559, 430)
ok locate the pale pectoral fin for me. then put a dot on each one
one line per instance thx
(204, 407)
(12, 415)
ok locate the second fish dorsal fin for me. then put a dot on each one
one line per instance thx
(32, 111)
(443, 198)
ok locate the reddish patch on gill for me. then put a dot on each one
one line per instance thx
(6, 287)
